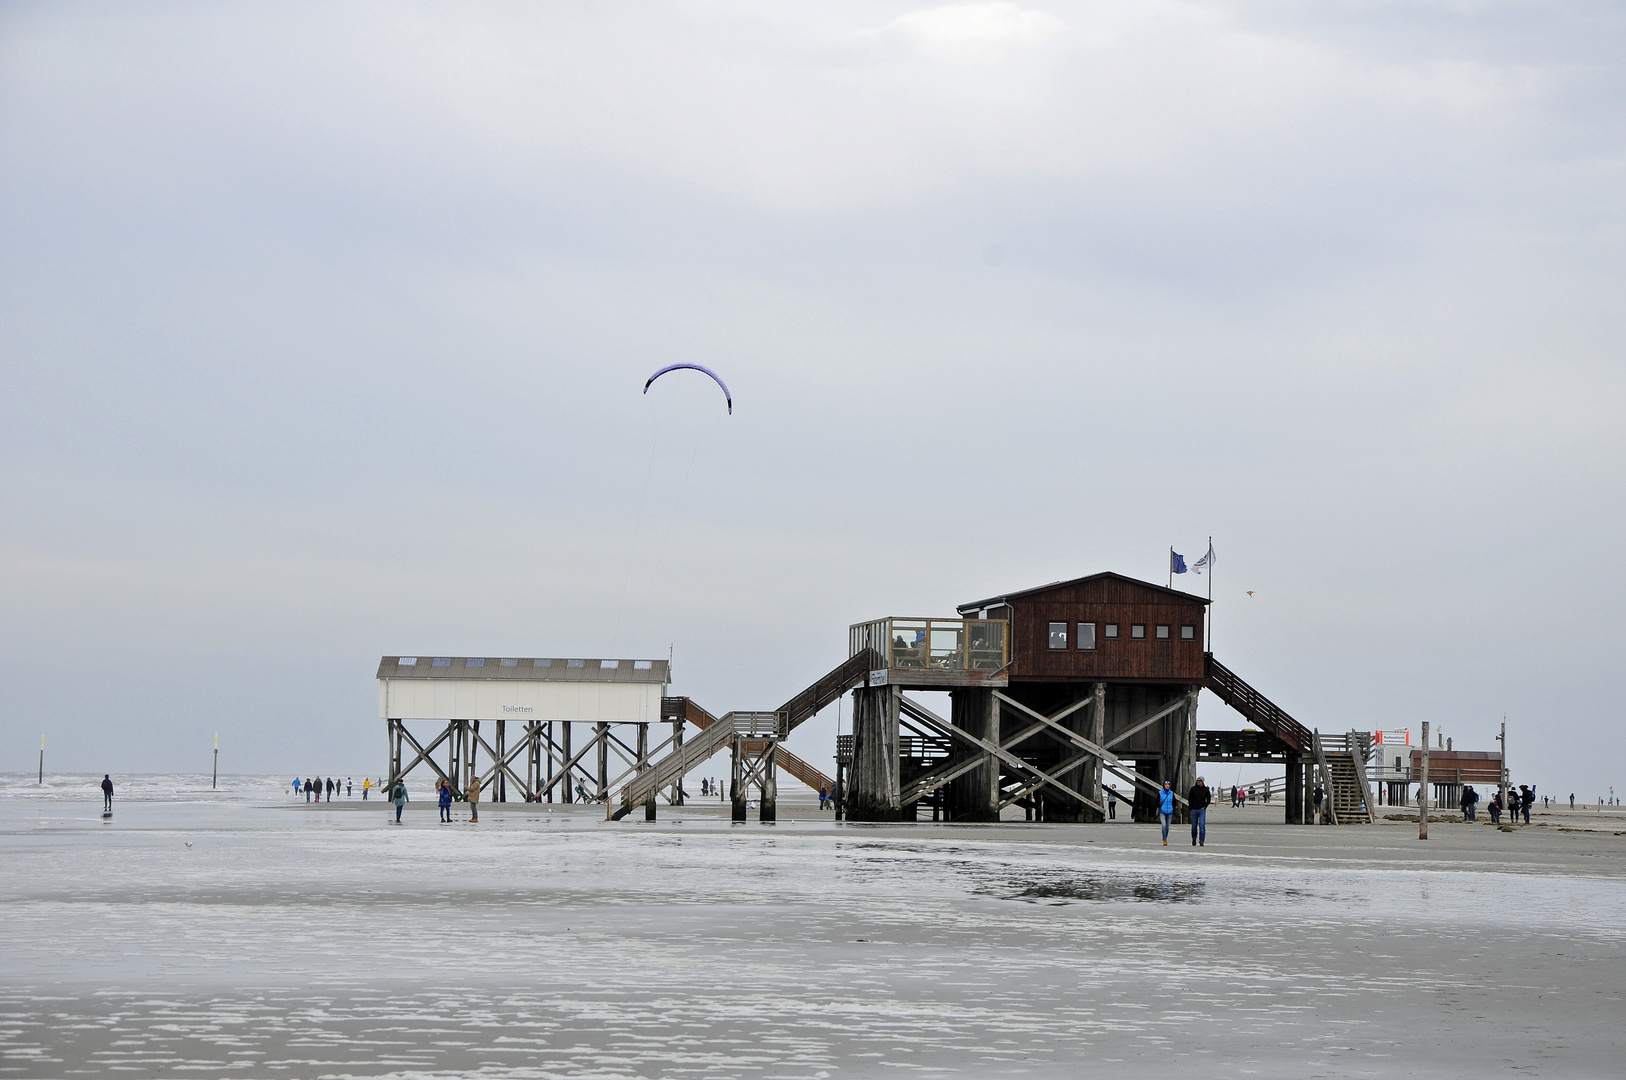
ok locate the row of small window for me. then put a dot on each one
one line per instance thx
(1137, 631)
(479, 661)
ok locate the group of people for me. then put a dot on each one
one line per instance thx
(1198, 801)
(314, 789)
(1240, 796)
(443, 798)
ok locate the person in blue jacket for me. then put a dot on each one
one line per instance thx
(445, 802)
(1165, 809)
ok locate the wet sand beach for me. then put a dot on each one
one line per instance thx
(241, 933)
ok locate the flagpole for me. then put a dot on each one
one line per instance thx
(1210, 594)
(1171, 566)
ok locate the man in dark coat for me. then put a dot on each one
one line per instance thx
(1199, 799)
(107, 793)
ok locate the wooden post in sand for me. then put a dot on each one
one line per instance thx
(1422, 790)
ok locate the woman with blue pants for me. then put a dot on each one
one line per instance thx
(1165, 809)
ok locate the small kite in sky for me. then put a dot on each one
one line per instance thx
(728, 397)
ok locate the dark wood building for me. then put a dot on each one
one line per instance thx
(1105, 626)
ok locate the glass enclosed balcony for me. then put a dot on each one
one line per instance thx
(934, 644)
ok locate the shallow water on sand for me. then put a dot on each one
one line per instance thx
(241, 932)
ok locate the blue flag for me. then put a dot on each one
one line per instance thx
(1177, 562)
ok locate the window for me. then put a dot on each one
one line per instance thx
(1058, 635)
(608, 665)
(1137, 630)
(574, 663)
(1188, 633)
(442, 661)
(408, 661)
(642, 665)
(1086, 635)
(475, 661)
(1397, 763)
(1163, 633)
(541, 663)
(510, 663)
(1112, 630)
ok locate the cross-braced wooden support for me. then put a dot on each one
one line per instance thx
(1005, 751)
(540, 765)
(753, 764)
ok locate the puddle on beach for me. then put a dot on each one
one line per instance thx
(1073, 889)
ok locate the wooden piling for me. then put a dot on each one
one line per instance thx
(975, 710)
(737, 790)
(768, 807)
(1422, 791)
(874, 794)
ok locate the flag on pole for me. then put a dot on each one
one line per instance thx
(1204, 563)
(1177, 562)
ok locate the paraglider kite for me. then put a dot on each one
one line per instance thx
(728, 397)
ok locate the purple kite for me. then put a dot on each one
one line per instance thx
(703, 370)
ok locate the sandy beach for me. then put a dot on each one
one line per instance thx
(243, 933)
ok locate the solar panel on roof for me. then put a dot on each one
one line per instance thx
(443, 661)
(475, 661)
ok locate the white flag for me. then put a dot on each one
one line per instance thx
(1205, 562)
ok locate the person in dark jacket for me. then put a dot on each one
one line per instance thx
(398, 795)
(1469, 798)
(1317, 796)
(445, 802)
(107, 793)
(1199, 799)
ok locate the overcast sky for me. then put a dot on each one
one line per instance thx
(323, 329)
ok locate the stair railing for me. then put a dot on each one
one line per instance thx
(1356, 754)
(1327, 797)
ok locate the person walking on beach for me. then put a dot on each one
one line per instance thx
(445, 802)
(824, 794)
(399, 797)
(330, 789)
(1112, 802)
(349, 789)
(1494, 808)
(1469, 798)
(1165, 809)
(365, 784)
(1316, 796)
(474, 800)
(1527, 796)
(1572, 800)
(1199, 799)
(107, 793)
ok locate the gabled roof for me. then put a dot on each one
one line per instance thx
(1022, 594)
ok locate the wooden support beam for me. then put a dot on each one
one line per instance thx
(1012, 760)
(1022, 792)
(1141, 725)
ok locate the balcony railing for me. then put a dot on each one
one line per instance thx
(934, 644)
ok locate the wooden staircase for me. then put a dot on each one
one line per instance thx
(1229, 687)
(1342, 761)
(715, 732)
